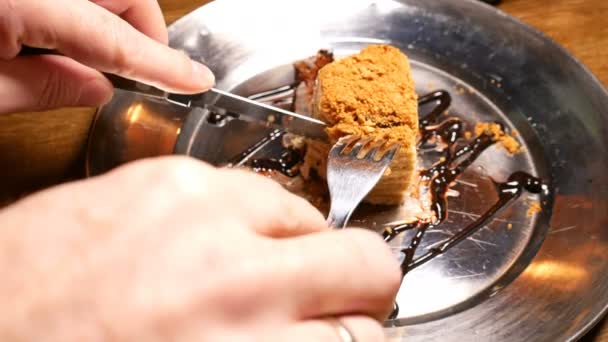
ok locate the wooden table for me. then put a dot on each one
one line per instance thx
(40, 149)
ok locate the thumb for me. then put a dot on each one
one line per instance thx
(35, 83)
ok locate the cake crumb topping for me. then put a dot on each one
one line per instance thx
(534, 208)
(498, 134)
(370, 94)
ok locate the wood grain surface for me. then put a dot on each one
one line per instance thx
(41, 149)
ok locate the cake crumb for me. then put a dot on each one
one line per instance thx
(509, 226)
(507, 141)
(533, 208)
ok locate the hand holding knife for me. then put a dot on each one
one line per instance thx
(221, 102)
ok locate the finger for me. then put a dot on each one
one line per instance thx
(268, 208)
(48, 82)
(361, 329)
(257, 202)
(144, 15)
(336, 273)
(95, 37)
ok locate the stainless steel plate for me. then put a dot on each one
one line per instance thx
(542, 277)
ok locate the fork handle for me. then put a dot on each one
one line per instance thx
(337, 219)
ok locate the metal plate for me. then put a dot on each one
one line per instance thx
(541, 277)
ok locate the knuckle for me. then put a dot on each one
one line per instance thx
(302, 217)
(176, 174)
(119, 58)
(271, 201)
(183, 175)
(294, 212)
(123, 56)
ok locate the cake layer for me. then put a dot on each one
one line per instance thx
(372, 95)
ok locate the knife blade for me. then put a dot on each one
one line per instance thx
(226, 103)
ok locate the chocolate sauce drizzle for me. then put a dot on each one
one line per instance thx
(286, 163)
(289, 158)
(443, 174)
(456, 157)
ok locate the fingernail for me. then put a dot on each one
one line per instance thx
(95, 93)
(202, 75)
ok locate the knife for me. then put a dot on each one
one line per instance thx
(221, 102)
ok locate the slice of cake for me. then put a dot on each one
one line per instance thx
(372, 95)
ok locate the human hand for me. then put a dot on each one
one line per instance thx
(124, 37)
(175, 250)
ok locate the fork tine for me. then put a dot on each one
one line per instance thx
(342, 143)
(390, 153)
(336, 151)
(373, 151)
(363, 173)
(349, 139)
(358, 146)
(339, 147)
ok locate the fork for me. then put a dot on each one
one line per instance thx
(351, 176)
